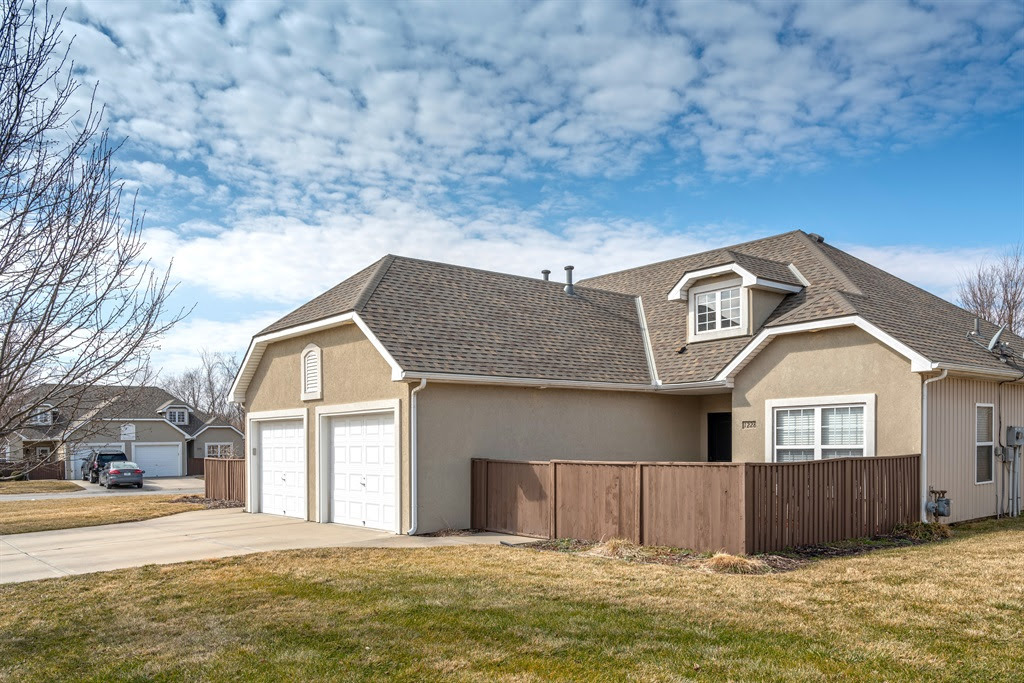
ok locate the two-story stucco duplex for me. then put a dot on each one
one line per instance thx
(367, 403)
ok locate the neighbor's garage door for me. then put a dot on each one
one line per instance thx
(158, 459)
(283, 468)
(365, 474)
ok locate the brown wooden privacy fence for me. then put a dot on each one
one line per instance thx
(736, 507)
(225, 479)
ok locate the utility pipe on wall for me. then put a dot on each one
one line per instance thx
(924, 443)
(413, 460)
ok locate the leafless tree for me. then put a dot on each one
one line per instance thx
(79, 304)
(207, 386)
(994, 291)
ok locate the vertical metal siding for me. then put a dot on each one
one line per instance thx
(951, 451)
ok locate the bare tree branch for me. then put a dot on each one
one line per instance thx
(995, 291)
(80, 306)
(207, 387)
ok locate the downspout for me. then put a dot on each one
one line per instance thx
(924, 443)
(413, 460)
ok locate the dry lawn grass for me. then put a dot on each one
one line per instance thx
(22, 516)
(40, 486)
(948, 611)
(724, 563)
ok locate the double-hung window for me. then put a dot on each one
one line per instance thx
(983, 443)
(819, 429)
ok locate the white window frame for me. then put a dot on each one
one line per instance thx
(206, 449)
(718, 333)
(817, 403)
(43, 418)
(990, 444)
(317, 393)
(42, 451)
(174, 410)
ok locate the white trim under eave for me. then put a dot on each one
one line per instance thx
(234, 429)
(748, 279)
(540, 383)
(259, 344)
(918, 363)
(973, 370)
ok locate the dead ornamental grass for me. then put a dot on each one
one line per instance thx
(38, 486)
(947, 611)
(23, 516)
(725, 563)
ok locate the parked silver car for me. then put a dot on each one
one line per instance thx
(124, 473)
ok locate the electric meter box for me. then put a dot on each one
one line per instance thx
(1015, 436)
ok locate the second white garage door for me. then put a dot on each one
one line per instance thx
(365, 481)
(283, 468)
(158, 459)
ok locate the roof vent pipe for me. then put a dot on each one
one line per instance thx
(817, 238)
(977, 327)
(568, 281)
(546, 274)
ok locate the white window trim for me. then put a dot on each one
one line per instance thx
(866, 400)
(176, 409)
(43, 418)
(206, 448)
(43, 450)
(717, 333)
(319, 392)
(984, 443)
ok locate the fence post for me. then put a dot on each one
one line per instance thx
(552, 503)
(638, 515)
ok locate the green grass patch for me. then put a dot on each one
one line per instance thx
(926, 612)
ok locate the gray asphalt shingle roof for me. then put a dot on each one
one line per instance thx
(436, 317)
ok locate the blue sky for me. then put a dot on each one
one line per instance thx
(278, 148)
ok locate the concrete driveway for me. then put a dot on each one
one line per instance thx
(182, 486)
(190, 536)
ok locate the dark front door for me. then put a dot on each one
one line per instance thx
(719, 437)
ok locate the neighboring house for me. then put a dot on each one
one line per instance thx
(367, 403)
(163, 434)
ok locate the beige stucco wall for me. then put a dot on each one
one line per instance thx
(762, 304)
(353, 372)
(459, 422)
(951, 441)
(828, 363)
(217, 435)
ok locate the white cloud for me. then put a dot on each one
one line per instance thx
(935, 269)
(179, 349)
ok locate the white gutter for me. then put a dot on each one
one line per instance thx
(924, 443)
(413, 460)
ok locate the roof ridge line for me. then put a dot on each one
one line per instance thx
(371, 285)
(727, 247)
(831, 265)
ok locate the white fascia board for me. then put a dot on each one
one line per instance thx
(747, 278)
(217, 427)
(259, 344)
(974, 370)
(648, 349)
(918, 363)
(763, 283)
(536, 382)
(679, 291)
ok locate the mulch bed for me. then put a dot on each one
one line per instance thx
(209, 503)
(788, 560)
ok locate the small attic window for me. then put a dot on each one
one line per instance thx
(43, 417)
(717, 310)
(312, 373)
(177, 416)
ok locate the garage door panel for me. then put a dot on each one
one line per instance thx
(283, 468)
(363, 457)
(158, 460)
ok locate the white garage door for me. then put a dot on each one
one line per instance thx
(283, 468)
(158, 459)
(365, 474)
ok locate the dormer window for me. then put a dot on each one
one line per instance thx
(43, 417)
(177, 416)
(718, 309)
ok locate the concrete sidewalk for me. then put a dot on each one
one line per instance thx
(190, 536)
(164, 485)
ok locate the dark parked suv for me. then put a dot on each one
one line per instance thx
(91, 471)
